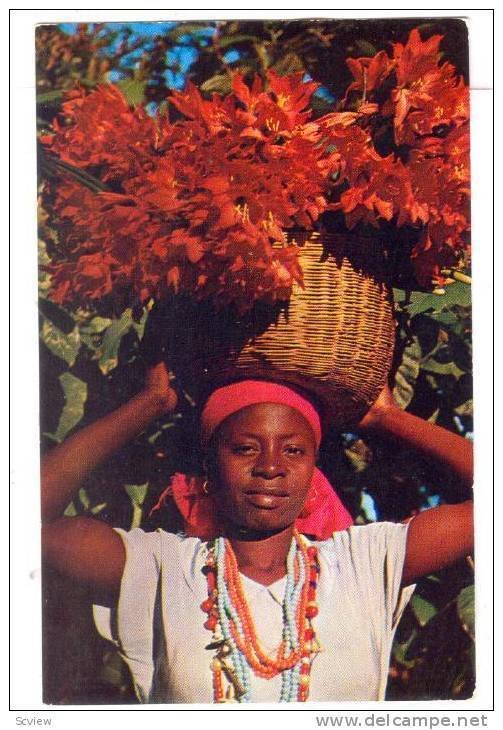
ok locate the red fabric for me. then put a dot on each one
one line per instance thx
(323, 512)
(232, 398)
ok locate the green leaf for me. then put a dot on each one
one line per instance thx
(84, 505)
(92, 332)
(400, 650)
(218, 84)
(133, 90)
(109, 350)
(359, 455)
(96, 325)
(232, 40)
(84, 499)
(98, 508)
(442, 368)
(64, 346)
(75, 391)
(43, 256)
(407, 374)
(186, 29)
(465, 409)
(455, 294)
(465, 605)
(288, 63)
(70, 511)
(423, 610)
(365, 47)
(49, 96)
(174, 417)
(137, 494)
(457, 319)
(51, 165)
(44, 277)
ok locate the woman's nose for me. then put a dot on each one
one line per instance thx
(269, 465)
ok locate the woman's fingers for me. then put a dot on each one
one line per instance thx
(158, 383)
(382, 405)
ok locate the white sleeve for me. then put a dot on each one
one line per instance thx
(131, 624)
(378, 555)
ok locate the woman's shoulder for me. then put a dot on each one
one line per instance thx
(159, 534)
(375, 537)
(159, 542)
(363, 554)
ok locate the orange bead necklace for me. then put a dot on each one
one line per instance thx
(234, 634)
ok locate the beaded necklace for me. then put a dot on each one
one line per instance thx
(238, 651)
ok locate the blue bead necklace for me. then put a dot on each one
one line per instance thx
(238, 651)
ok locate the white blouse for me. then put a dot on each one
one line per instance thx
(158, 622)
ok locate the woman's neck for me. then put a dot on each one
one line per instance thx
(263, 559)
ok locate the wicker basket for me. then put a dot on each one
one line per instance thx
(333, 338)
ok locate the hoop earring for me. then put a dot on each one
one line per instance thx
(205, 486)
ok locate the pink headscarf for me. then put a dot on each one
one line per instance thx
(323, 512)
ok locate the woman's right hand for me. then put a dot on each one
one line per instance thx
(158, 387)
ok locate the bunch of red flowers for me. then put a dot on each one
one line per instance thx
(201, 204)
(419, 110)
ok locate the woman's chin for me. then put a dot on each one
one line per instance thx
(266, 523)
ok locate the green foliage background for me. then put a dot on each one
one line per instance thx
(91, 363)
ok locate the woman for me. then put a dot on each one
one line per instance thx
(260, 613)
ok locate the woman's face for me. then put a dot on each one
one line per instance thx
(265, 458)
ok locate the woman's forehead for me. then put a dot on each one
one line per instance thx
(274, 418)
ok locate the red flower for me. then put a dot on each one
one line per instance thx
(417, 58)
(427, 95)
(89, 276)
(369, 73)
(430, 256)
(100, 130)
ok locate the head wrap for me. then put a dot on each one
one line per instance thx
(323, 512)
(225, 401)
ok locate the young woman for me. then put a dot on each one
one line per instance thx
(244, 607)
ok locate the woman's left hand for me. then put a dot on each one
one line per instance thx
(382, 406)
(450, 451)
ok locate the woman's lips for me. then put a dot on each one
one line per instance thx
(266, 499)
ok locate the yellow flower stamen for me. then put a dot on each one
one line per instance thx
(282, 99)
(243, 211)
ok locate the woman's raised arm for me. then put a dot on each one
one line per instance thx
(81, 547)
(439, 536)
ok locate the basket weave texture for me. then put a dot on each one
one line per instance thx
(334, 337)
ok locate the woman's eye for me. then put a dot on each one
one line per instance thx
(243, 449)
(294, 450)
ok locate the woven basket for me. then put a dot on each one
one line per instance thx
(333, 338)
